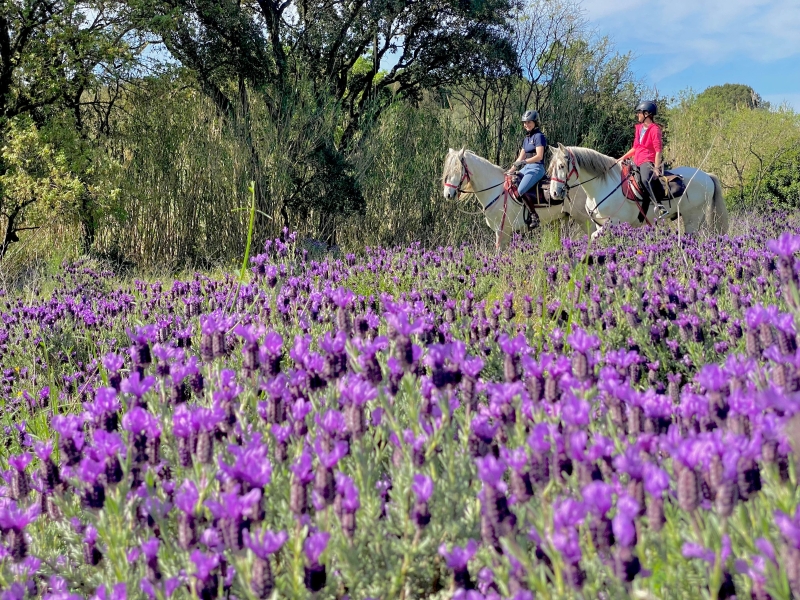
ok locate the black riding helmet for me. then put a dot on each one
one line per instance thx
(647, 106)
(531, 115)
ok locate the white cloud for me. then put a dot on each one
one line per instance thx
(685, 32)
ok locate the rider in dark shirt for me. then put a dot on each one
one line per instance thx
(530, 161)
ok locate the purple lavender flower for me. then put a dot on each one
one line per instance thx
(315, 545)
(118, 592)
(186, 497)
(12, 517)
(135, 385)
(458, 557)
(150, 548)
(789, 528)
(422, 487)
(330, 459)
(265, 544)
(251, 464)
(582, 342)
(348, 492)
(140, 422)
(597, 498)
(303, 467)
(204, 564)
(20, 462)
(692, 550)
(656, 480)
(786, 245)
(491, 471)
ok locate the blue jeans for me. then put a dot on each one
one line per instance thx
(531, 174)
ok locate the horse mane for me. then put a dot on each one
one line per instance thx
(452, 164)
(591, 160)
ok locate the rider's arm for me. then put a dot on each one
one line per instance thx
(520, 157)
(658, 147)
(628, 154)
(538, 157)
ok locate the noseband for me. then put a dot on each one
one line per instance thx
(570, 161)
(466, 176)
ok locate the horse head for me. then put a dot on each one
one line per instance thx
(455, 175)
(563, 172)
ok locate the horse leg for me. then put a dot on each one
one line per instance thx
(501, 240)
(692, 221)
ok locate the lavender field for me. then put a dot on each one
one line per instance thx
(557, 421)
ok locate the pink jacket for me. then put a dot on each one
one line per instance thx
(645, 150)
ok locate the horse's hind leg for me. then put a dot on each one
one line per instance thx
(691, 222)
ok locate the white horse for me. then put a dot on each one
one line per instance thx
(600, 176)
(465, 171)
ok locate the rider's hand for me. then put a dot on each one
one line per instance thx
(520, 163)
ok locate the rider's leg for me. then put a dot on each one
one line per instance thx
(646, 172)
(531, 174)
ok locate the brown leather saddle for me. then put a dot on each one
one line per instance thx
(538, 196)
(667, 187)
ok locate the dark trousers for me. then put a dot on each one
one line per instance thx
(646, 174)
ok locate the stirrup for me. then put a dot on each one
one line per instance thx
(662, 212)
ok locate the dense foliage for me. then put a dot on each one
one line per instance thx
(751, 146)
(406, 423)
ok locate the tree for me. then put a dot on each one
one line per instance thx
(781, 184)
(541, 33)
(36, 181)
(271, 47)
(731, 96)
(60, 59)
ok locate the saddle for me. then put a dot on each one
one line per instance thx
(538, 196)
(668, 186)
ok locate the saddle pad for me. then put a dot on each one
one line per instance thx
(630, 188)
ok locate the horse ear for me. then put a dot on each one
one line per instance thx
(461, 152)
(561, 147)
(451, 151)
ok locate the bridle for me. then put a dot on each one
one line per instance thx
(467, 176)
(572, 160)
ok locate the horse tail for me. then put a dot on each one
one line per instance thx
(716, 210)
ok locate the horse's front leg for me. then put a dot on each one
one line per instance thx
(501, 240)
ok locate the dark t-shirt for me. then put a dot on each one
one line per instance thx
(533, 141)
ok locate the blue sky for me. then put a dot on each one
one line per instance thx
(698, 43)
